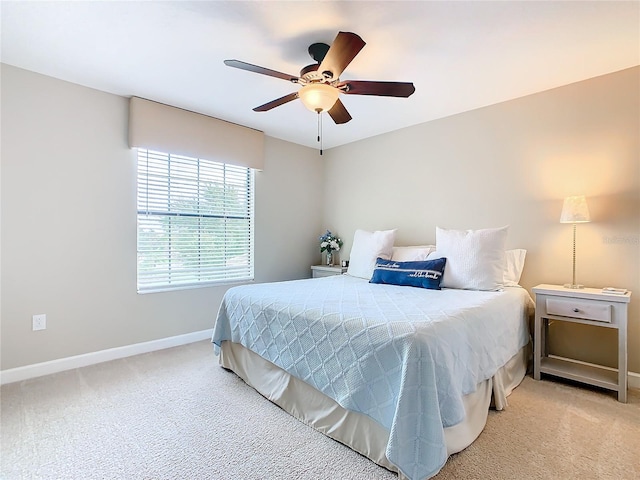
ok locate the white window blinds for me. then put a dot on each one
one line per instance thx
(195, 222)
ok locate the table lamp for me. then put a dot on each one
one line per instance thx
(574, 210)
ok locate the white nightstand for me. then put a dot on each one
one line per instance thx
(318, 271)
(588, 306)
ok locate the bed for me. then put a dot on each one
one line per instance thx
(403, 375)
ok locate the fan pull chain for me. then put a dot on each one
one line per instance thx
(320, 129)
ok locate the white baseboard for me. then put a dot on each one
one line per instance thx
(54, 366)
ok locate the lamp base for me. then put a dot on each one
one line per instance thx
(572, 285)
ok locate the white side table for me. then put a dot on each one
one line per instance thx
(318, 271)
(588, 306)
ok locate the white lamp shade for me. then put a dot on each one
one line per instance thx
(575, 210)
(318, 97)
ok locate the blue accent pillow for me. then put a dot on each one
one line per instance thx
(423, 274)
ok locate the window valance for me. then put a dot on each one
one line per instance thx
(156, 126)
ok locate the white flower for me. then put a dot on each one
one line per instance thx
(329, 242)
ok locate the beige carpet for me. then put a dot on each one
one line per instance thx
(175, 414)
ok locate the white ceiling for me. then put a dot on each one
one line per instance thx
(460, 55)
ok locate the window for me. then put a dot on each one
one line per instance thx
(195, 222)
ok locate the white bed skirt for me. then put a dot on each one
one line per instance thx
(354, 429)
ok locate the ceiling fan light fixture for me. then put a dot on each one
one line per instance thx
(318, 97)
(320, 84)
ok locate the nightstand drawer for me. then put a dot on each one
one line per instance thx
(318, 271)
(598, 311)
(321, 273)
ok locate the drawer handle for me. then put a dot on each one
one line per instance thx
(576, 310)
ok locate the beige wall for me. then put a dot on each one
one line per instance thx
(68, 245)
(68, 207)
(512, 164)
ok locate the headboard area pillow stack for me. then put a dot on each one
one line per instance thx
(475, 259)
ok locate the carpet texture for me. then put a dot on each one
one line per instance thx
(175, 414)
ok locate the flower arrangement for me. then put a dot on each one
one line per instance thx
(329, 243)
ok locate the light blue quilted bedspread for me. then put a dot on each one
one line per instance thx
(404, 356)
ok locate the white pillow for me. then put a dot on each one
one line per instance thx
(415, 253)
(366, 248)
(475, 258)
(514, 266)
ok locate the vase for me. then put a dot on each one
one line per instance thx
(330, 259)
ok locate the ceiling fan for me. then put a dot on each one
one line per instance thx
(320, 81)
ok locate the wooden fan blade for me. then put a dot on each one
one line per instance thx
(344, 49)
(256, 69)
(276, 103)
(381, 89)
(339, 113)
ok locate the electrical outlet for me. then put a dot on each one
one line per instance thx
(39, 322)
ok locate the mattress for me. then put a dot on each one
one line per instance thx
(404, 357)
